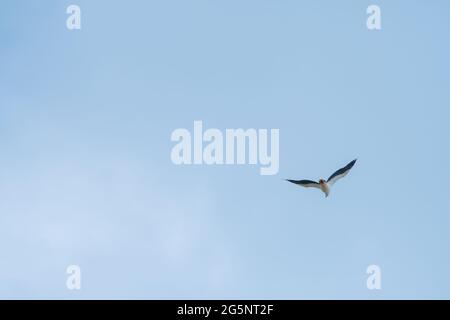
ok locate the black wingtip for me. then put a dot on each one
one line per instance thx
(350, 165)
(292, 181)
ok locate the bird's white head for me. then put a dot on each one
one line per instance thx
(322, 181)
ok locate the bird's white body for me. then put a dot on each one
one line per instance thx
(325, 187)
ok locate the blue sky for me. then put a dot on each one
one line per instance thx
(85, 170)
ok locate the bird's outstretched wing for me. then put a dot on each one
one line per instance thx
(340, 173)
(305, 183)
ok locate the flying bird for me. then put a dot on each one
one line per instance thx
(325, 185)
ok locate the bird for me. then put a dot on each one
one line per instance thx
(325, 185)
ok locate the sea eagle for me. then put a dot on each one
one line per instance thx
(322, 184)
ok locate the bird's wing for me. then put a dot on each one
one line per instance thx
(340, 173)
(306, 183)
